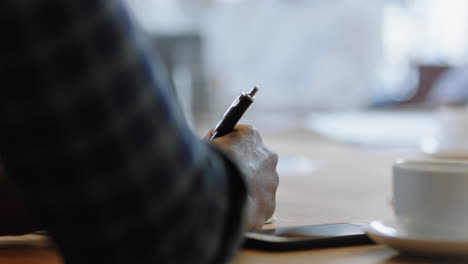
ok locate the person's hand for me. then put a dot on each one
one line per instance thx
(245, 147)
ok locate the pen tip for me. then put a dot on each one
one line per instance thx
(253, 91)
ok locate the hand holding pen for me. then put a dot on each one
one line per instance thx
(258, 164)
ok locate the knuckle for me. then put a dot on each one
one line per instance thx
(241, 127)
(277, 179)
(247, 130)
(250, 129)
(275, 158)
(271, 156)
(255, 131)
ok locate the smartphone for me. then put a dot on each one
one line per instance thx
(307, 237)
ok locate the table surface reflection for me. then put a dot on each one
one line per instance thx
(321, 181)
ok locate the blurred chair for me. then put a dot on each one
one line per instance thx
(428, 76)
(451, 88)
(426, 90)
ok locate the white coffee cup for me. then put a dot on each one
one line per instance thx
(430, 198)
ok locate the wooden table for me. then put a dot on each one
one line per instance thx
(345, 184)
(321, 182)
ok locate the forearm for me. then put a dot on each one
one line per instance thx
(98, 150)
(13, 220)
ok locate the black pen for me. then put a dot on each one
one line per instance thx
(234, 113)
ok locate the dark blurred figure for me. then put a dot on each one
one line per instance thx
(97, 152)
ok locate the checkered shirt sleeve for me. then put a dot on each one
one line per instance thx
(96, 145)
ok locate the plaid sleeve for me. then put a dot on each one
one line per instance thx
(94, 141)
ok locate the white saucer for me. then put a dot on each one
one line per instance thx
(388, 233)
(271, 220)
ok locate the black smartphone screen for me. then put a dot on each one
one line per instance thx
(307, 237)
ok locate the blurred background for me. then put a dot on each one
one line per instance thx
(384, 72)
